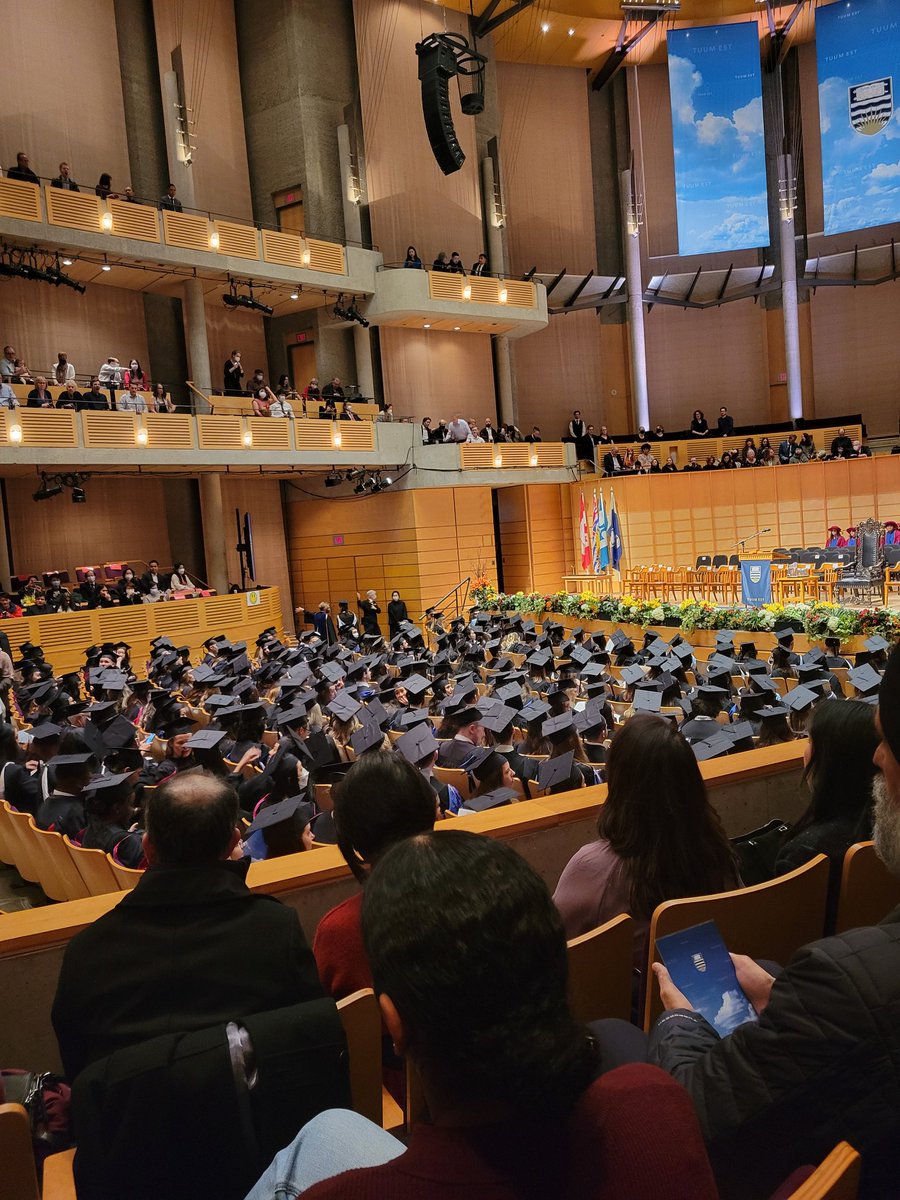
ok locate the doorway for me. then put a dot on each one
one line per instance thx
(303, 364)
(289, 210)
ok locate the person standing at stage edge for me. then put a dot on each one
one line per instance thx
(370, 610)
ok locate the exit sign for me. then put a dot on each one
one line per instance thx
(337, 539)
(302, 337)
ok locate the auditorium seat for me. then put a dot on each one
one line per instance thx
(457, 778)
(361, 1017)
(868, 890)
(600, 963)
(60, 879)
(703, 560)
(836, 1178)
(734, 560)
(18, 1179)
(769, 920)
(21, 843)
(127, 876)
(93, 867)
(719, 560)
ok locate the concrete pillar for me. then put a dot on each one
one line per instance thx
(365, 371)
(495, 250)
(213, 531)
(637, 348)
(197, 342)
(349, 176)
(503, 379)
(5, 561)
(789, 302)
(142, 99)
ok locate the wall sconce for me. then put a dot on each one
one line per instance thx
(106, 221)
(248, 438)
(213, 237)
(141, 436)
(305, 256)
(336, 437)
(504, 294)
(498, 460)
(15, 434)
(534, 460)
(467, 292)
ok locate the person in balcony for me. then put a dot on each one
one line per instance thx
(62, 369)
(111, 374)
(181, 581)
(699, 427)
(263, 398)
(281, 407)
(21, 374)
(132, 401)
(104, 187)
(386, 416)
(160, 400)
(70, 397)
(441, 263)
(334, 390)
(22, 170)
(39, 396)
(7, 396)
(456, 266)
(64, 180)
(347, 413)
(170, 201)
(412, 259)
(135, 374)
(232, 374)
(94, 398)
(481, 266)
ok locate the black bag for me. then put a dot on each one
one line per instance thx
(758, 850)
(45, 1098)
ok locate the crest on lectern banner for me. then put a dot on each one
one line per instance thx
(755, 573)
(871, 105)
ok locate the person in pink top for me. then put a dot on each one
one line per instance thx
(469, 962)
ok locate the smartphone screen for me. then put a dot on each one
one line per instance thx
(151, 738)
(702, 969)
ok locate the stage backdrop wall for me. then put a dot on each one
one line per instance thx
(421, 543)
(535, 536)
(670, 519)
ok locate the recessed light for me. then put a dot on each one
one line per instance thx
(106, 267)
(67, 262)
(545, 28)
(571, 33)
(426, 326)
(295, 295)
(456, 329)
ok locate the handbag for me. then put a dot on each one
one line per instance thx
(45, 1097)
(758, 850)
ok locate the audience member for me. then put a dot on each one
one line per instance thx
(386, 416)
(160, 400)
(131, 401)
(460, 924)
(93, 398)
(334, 390)
(70, 397)
(22, 170)
(535, 435)
(62, 370)
(39, 396)
(725, 423)
(480, 266)
(135, 374)
(8, 364)
(170, 201)
(412, 259)
(699, 427)
(111, 374)
(181, 581)
(841, 445)
(7, 396)
(104, 188)
(441, 263)
(281, 407)
(455, 265)
(233, 373)
(176, 937)
(458, 429)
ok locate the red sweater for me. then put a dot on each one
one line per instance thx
(339, 951)
(632, 1136)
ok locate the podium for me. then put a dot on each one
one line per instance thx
(756, 580)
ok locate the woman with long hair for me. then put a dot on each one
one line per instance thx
(412, 259)
(658, 836)
(839, 773)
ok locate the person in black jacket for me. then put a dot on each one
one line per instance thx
(191, 946)
(232, 374)
(822, 1063)
(370, 610)
(397, 613)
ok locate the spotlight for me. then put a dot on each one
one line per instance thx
(357, 491)
(78, 496)
(353, 314)
(333, 479)
(233, 299)
(354, 473)
(47, 490)
(67, 262)
(295, 295)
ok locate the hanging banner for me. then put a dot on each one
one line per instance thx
(715, 90)
(858, 52)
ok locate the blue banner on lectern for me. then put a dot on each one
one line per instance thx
(858, 52)
(717, 129)
(756, 582)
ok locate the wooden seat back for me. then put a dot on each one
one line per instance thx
(769, 920)
(457, 778)
(63, 876)
(126, 877)
(18, 1177)
(600, 970)
(7, 837)
(836, 1178)
(93, 867)
(361, 1018)
(22, 844)
(868, 890)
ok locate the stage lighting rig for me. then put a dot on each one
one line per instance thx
(235, 299)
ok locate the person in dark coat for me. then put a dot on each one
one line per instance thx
(370, 610)
(397, 613)
(822, 1063)
(321, 621)
(191, 946)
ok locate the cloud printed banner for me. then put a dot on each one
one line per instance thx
(858, 50)
(717, 126)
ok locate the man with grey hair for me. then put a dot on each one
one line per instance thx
(822, 1063)
(370, 610)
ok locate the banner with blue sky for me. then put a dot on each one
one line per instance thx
(717, 126)
(858, 51)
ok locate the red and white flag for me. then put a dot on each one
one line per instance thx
(584, 537)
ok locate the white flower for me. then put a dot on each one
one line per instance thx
(657, 614)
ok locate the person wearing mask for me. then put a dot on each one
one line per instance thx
(62, 370)
(128, 590)
(232, 374)
(181, 581)
(135, 374)
(111, 374)
(397, 614)
(386, 416)
(461, 924)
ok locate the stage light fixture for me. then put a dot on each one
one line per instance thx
(234, 299)
(333, 479)
(353, 473)
(48, 490)
(359, 489)
(78, 496)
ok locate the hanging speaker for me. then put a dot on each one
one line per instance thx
(437, 66)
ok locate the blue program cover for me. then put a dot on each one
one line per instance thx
(701, 968)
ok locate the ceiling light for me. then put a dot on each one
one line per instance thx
(295, 295)
(67, 262)
(105, 267)
(571, 33)
(426, 326)
(545, 28)
(456, 329)
(359, 489)
(333, 478)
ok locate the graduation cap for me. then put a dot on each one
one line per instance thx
(647, 700)
(241, 710)
(177, 726)
(291, 716)
(632, 675)
(783, 636)
(593, 670)
(101, 783)
(865, 678)
(499, 718)
(113, 681)
(875, 644)
(163, 640)
(466, 716)
(376, 711)
(580, 655)
(332, 671)
(557, 729)
(714, 693)
(465, 686)
(800, 699)
(239, 665)
(119, 733)
(814, 657)
(720, 663)
(415, 716)
(496, 799)
(556, 770)
(741, 734)
(343, 706)
(70, 760)
(417, 685)
(541, 658)
(45, 731)
(479, 763)
(752, 702)
(808, 673)
(205, 739)
(367, 737)
(712, 747)
(295, 807)
(419, 743)
(683, 651)
(534, 710)
(511, 695)
(771, 712)
(762, 683)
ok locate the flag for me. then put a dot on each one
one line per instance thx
(595, 547)
(616, 548)
(583, 537)
(601, 533)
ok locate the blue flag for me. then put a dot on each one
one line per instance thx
(601, 533)
(616, 548)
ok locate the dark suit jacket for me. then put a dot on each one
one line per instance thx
(698, 730)
(454, 753)
(187, 948)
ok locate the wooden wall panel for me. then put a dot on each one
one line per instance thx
(124, 520)
(549, 547)
(428, 373)
(560, 369)
(220, 172)
(262, 499)
(227, 330)
(514, 539)
(671, 519)
(72, 111)
(410, 200)
(39, 321)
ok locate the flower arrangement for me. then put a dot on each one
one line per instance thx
(815, 620)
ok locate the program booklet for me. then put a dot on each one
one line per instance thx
(701, 968)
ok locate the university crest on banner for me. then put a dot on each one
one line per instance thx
(755, 574)
(871, 105)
